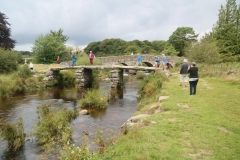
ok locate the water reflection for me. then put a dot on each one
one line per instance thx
(122, 105)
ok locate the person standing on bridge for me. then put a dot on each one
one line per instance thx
(91, 57)
(157, 62)
(165, 62)
(139, 60)
(58, 59)
(74, 59)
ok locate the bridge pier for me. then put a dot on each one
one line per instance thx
(84, 78)
(116, 77)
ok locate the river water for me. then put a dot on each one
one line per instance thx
(121, 107)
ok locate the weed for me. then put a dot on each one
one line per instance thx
(53, 126)
(13, 133)
(93, 98)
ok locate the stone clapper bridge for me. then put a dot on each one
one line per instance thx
(84, 73)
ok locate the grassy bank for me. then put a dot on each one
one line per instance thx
(205, 126)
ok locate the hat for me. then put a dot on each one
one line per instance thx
(194, 63)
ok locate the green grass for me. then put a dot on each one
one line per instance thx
(205, 126)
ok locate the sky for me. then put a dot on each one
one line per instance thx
(86, 21)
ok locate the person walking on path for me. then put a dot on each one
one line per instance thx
(139, 60)
(91, 57)
(184, 73)
(74, 59)
(58, 59)
(193, 78)
(165, 62)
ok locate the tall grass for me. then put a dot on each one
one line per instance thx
(53, 126)
(13, 134)
(93, 99)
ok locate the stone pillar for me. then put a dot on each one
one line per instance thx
(116, 77)
(84, 78)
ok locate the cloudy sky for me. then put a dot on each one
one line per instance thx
(86, 21)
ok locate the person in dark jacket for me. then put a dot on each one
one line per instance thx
(184, 73)
(193, 78)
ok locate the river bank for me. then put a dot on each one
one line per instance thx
(205, 126)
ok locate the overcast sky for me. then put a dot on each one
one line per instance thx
(86, 21)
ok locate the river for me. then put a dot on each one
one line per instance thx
(109, 121)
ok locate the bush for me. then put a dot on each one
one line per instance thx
(92, 98)
(53, 126)
(24, 71)
(13, 133)
(8, 60)
(140, 75)
(150, 84)
(67, 78)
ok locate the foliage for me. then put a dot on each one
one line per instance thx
(72, 152)
(204, 52)
(221, 70)
(182, 38)
(67, 78)
(53, 126)
(93, 98)
(169, 50)
(60, 35)
(150, 84)
(24, 71)
(50, 46)
(13, 133)
(120, 47)
(227, 31)
(140, 75)
(5, 32)
(8, 60)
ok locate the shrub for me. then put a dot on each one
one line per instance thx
(8, 60)
(13, 133)
(150, 84)
(53, 126)
(140, 75)
(72, 152)
(4, 89)
(24, 71)
(92, 98)
(67, 78)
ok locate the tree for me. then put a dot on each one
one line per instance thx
(182, 38)
(60, 35)
(204, 52)
(169, 50)
(9, 60)
(50, 46)
(226, 31)
(5, 32)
